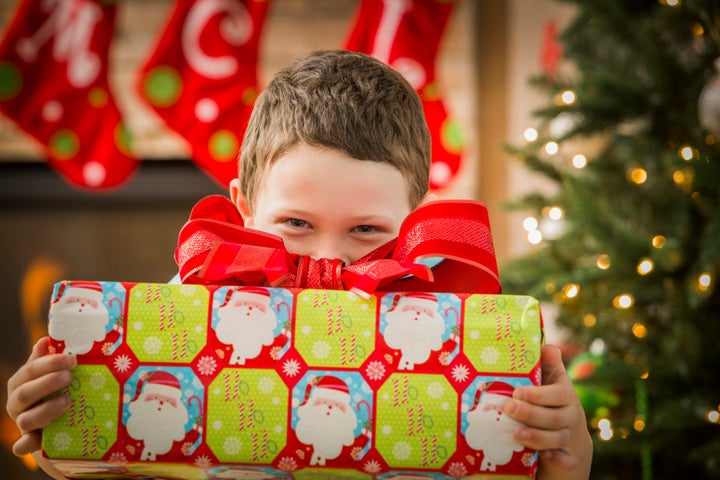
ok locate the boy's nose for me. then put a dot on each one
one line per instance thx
(330, 248)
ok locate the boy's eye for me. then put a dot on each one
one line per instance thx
(365, 229)
(297, 223)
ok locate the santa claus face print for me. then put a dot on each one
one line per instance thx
(79, 320)
(416, 327)
(246, 321)
(489, 430)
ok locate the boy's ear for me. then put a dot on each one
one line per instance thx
(238, 199)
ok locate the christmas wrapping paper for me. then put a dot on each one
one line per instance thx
(197, 381)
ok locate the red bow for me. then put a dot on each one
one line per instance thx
(215, 248)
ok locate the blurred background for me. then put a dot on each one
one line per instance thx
(585, 127)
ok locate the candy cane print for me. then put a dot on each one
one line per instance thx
(338, 319)
(329, 322)
(498, 327)
(508, 321)
(396, 392)
(512, 356)
(419, 419)
(353, 342)
(521, 353)
(251, 414)
(161, 307)
(424, 443)
(241, 415)
(343, 350)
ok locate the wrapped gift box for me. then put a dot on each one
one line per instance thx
(193, 381)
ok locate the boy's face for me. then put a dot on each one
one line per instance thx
(325, 204)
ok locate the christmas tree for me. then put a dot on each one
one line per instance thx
(628, 241)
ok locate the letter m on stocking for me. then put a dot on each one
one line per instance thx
(53, 84)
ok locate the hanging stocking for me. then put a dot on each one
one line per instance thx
(202, 77)
(53, 84)
(406, 35)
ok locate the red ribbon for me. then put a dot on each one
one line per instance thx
(215, 248)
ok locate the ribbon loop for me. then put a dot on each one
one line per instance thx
(214, 247)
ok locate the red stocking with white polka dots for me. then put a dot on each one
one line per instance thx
(53, 84)
(406, 35)
(202, 78)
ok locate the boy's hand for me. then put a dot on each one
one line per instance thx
(41, 376)
(554, 422)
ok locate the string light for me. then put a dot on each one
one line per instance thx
(670, 3)
(568, 97)
(713, 416)
(639, 330)
(704, 281)
(645, 266)
(687, 153)
(606, 431)
(555, 213)
(552, 148)
(530, 134)
(639, 424)
(658, 241)
(579, 161)
(638, 176)
(571, 290)
(530, 224)
(534, 237)
(623, 301)
(603, 261)
(589, 320)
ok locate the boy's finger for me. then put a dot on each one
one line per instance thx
(29, 393)
(538, 416)
(42, 414)
(539, 439)
(37, 367)
(552, 364)
(28, 443)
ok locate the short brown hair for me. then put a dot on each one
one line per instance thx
(342, 100)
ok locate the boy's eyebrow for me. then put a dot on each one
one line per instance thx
(292, 212)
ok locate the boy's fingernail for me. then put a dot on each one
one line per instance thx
(71, 362)
(519, 394)
(64, 402)
(511, 407)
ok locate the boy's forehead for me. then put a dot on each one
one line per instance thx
(311, 172)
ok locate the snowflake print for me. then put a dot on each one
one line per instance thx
(232, 446)
(185, 449)
(457, 469)
(490, 355)
(207, 365)
(375, 370)
(266, 385)
(152, 345)
(122, 363)
(62, 441)
(355, 453)
(117, 458)
(444, 358)
(460, 373)
(320, 350)
(291, 367)
(435, 390)
(401, 451)
(287, 464)
(528, 459)
(203, 461)
(97, 381)
(275, 352)
(105, 349)
(372, 467)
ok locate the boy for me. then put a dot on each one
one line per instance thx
(336, 155)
